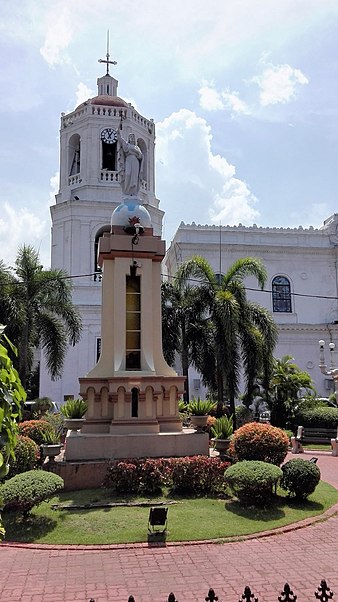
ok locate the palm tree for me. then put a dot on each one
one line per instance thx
(242, 334)
(36, 305)
(184, 325)
(287, 382)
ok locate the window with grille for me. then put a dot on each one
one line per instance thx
(281, 294)
(133, 323)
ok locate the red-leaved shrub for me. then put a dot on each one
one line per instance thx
(257, 441)
(196, 475)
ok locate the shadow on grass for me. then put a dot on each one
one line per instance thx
(28, 529)
(274, 511)
(157, 539)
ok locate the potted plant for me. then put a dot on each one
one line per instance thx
(51, 445)
(199, 410)
(73, 411)
(222, 431)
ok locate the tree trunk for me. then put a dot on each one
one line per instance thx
(185, 371)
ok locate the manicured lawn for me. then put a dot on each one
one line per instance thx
(189, 519)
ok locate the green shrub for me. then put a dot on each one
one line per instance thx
(320, 417)
(74, 408)
(201, 407)
(300, 477)
(27, 454)
(41, 406)
(253, 481)
(22, 492)
(223, 427)
(34, 429)
(257, 441)
(243, 415)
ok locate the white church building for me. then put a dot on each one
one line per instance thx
(302, 289)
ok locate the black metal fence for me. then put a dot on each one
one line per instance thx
(323, 593)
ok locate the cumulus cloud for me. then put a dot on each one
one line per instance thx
(58, 35)
(19, 227)
(212, 100)
(279, 84)
(199, 186)
(83, 92)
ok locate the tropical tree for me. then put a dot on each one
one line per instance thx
(36, 305)
(287, 383)
(184, 325)
(241, 334)
(12, 395)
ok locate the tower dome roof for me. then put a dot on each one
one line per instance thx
(105, 100)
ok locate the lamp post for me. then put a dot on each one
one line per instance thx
(333, 370)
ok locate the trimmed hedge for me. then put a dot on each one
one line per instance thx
(257, 441)
(252, 481)
(320, 417)
(27, 455)
(26, 490)
(34, 429)
(195, 475)
(300, 478)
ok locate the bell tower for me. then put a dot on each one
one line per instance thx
(90, 187)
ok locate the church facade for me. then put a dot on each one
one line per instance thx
(302, 287)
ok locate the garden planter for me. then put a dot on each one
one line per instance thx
(221, 445)
(199, 421)
(51, 450)
(74, 424)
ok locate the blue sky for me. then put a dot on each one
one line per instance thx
(244, 94)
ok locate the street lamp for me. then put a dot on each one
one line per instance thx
(333, 370)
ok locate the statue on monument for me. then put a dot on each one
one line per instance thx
(132, 165)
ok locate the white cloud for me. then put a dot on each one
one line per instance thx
(199, 186)
(58, 35)
(212, 100)
(83, 92)
(54, 184)
(19, 227)
(279, 84)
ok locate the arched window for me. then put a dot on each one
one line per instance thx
(142, 145)
(74, 155)
(97, 270)
(281, 294)
(134, 402)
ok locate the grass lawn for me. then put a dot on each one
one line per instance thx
(189, 519)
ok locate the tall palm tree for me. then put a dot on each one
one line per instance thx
(36, 305)
(243, 334)
(184, 325)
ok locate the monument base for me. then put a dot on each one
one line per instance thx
(94, 446)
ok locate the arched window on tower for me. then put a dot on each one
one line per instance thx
(74, 157)
(281, 294)
(109, 155)
(97, 269)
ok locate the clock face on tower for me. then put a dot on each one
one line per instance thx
(109, 136)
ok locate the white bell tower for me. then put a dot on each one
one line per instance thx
(91, 160)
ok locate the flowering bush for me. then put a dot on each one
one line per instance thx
(300, 477)
(27, 455)
(253, 481)
(256, 441)
(34, 429)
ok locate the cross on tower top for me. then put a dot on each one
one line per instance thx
(106, 60)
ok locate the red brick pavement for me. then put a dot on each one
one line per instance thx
(59, 574)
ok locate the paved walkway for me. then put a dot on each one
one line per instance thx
(302, 557)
